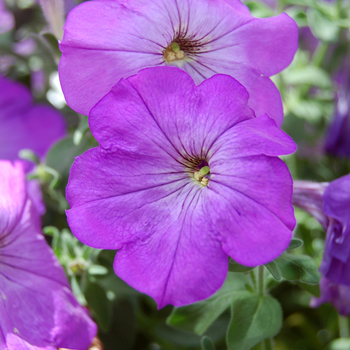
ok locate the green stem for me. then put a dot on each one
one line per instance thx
(261, 280)
(268, 344)
(343, 326)
(319, 54)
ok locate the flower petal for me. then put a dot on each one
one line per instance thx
(115, 197)
(252, 137)
(15, 98)
(122, 50)
(185, 114)
(181, 263)
(255, 193)
(12, 195)
(36, 303)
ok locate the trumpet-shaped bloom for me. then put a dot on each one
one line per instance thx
(24, 124)
(107, 40)
(330, 204)
(338, 141)
(38, 309)
(184, 176)
(336, 294)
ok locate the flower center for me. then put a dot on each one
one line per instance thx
(202, 176)
(173, 52)
(182, 47)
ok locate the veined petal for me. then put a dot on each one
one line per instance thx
(36, 304)
(183, 253)
(122, 37)
(184, 113)
(252, 137)
(255, 193)
(122, 195)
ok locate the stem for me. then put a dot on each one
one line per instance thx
(319, 54)
(253, 278)
(268, 344)
(343, 326)
(261, 280)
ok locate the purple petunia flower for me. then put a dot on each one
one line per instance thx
(330, 205)
(338, 140)
(38, 309)
(24, 124)
(7, 20)
(336, 294)
(106, 40)
(184, 176)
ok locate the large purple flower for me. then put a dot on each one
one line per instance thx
(184, 176)
(24, 124)
(330, 204)
(38, 309)
(106, 40)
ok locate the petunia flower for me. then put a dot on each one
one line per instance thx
(38, 309)
(24, 124)
(338, 140)
(107, 40)
(334, 293)
(7, 20)
(330, 204)
(183, 177)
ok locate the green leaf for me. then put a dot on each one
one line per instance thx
(274, 270)
(235, 267)
(207, 344)
(99, 304)
(254, 318)
(295, 243)
(62, 154)
(298, 268)
(313, 289)
(199, 316)
(321, 26)
(310, 75)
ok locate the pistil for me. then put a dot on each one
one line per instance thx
(173, 52)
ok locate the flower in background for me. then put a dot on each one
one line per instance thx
(7, 20)
(330, 204)
(338, 139)
(38, 309)
(334, 293)
(24, 125)
(106, 40)
(184, 177)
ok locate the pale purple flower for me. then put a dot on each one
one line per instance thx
(184, 177)
(38, 309)
(106, 40)
(330, 205)
(7, 20)
(24, 125)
